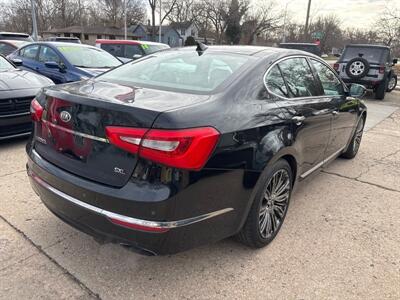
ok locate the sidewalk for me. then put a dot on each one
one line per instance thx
(340, 240)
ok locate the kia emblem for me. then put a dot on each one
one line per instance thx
(65, 116)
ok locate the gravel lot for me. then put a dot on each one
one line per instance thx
(340, 240)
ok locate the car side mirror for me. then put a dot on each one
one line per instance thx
(137, 56)
(357, 90)
(17, 62)
(395, 61)
(52, 65)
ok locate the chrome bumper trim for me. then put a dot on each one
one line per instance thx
(134, 221)
(305, 174)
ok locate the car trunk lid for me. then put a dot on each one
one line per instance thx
(72, 131)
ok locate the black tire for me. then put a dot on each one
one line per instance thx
(363, 65)
(274, 208)
(354, 146)
(392, 86)
(381, 89)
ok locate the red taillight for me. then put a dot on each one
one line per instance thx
(336, 67)
(36, 110)
(381, 69)
(183, 149)
(136, 226)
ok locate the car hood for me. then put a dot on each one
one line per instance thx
(20, 79)
(93, 71)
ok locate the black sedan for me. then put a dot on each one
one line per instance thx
(17, 90)
(189, 146)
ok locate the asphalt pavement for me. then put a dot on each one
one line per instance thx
(340, 240)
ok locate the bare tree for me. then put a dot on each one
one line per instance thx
(262, 18)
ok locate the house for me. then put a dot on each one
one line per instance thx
(174, 34)
(168, 34)
(186, 29)
(88, 35)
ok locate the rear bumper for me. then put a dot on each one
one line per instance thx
(178, 234)
(370, 84)
(15, 126)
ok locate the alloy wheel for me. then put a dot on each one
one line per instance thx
(274, 204)
(392, 83)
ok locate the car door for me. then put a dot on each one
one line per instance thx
(46, 54)
(300, 97)
(28, 55)
(345, 108)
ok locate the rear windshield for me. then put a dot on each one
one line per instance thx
(374, 55)
(19, 37)
(149, 49)
(186, 71)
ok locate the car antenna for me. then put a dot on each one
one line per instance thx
(201, 48)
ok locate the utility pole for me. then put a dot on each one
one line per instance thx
(284, 24)
(159, 33)
(307, 19)
(34, 24)
(125, 26)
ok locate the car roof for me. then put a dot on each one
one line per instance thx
(14, 33)
(368, 46)
(61, 44)
(258, 51)
(300, 44)
(64, 37)
(129, 42)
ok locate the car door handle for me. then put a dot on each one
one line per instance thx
(298, 119)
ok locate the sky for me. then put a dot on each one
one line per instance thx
(353, 13)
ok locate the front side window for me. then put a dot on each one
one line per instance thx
(275, 83)
(330, 83)
(179, 70)
(47, 54)
(299, 78)
(30, 51)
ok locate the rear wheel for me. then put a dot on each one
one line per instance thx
(392, 83)
(355, 142)
(381, 89)
(269, 208)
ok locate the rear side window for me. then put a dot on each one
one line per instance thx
(299, 78)
(30, 51)
(330, 83)
(275, 83)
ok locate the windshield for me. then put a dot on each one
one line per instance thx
(5, 65)
(179, 70)
(149, 49)
(373, 55)
(88, 57)
(18, 37)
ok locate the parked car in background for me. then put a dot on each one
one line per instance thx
(9, 46)
(307, 47)
(17, 90)
(15, 36)
(71, 39)
(190, 146)
(127, 50)
(369, 65)
(64, 62)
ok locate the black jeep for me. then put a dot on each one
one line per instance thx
(369, 65)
